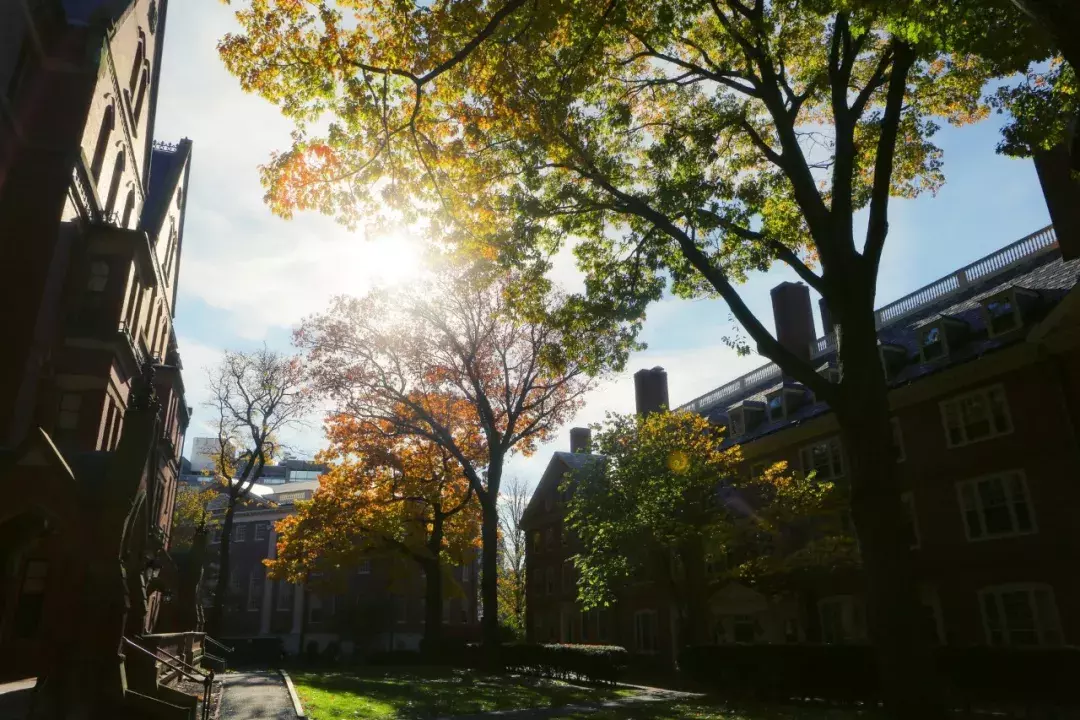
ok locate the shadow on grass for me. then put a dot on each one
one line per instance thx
(423, 693)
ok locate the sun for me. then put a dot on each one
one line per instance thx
(393, 258)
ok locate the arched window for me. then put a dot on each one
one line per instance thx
(114, 185)
(108, 124)
(129, 207)
(144, 80)
(140, 57)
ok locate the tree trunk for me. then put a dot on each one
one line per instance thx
(905, 663)
(221, 588)
(433, 600)
(489, 580)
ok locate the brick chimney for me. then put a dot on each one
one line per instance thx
(580, 440)
(650, 390)
(794, 317)
(1062, 195)
(826, 317)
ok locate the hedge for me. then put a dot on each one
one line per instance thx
(847, 673)
(588, 663)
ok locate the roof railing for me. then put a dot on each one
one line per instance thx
(986, 268)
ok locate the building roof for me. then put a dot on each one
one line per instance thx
(167, 164)
(1040, 269)
(561, 462)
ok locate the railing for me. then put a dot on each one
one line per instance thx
(166, 146)
(207, 680)
(979, 271)
(994, 264)
(226, 648)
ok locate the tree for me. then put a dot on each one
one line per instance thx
(192, 512)
(383, 495)
(670, 501)
(512, 544)
(393, 358)
(682, 143)
(254, 395)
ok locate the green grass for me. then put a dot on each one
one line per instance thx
(425, 693)
(422, 693)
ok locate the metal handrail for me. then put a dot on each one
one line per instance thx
(226, 648)
(206, 680)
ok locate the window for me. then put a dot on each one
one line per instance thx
(464, 616)
(775, 406)
(568, 626)
(744, 628)
(144, 80)
(932, 342)
(897, 440)
(549, 537)
(284, 595)
(567, 576)
(255, 590)
(841, 619)
(215, 536)
(31, 602)
(68, 418)
(549, 581)
(364, 568)
(537, 540)
(590, 623)
(140, 57)
(260, 530)
(465, 573)
(108, 123)
(645, 631)
(826, 458)
(240, 533)
(910, 520)
(736, 423)
(99, 276)
(114, 183)
(129, 208)
(996, 506)
(401, 609)
(1002, 314)
(976, 416)
(315, 608)
(930, 607)
(234, 582)
(1020, 615)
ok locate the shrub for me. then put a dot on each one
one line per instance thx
(591, 663)
(848, 673)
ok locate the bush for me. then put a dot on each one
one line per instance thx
(589, 663)
(848, 673)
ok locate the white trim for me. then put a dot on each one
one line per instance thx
(955, 402)
(1003, 476)
(638, 634)
(1047, 619)
(831, 444)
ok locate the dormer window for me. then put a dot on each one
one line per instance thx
(737, 423)
(932, 343)
(940, 338)
(1004, 311)
(830, 373)
(775, 406)
(744, 416)
(893, 359)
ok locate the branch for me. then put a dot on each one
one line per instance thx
(878, 223)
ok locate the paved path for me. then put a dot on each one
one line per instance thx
(256, 695)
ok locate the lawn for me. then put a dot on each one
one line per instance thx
(426, 693)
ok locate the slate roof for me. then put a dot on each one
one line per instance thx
(1050, 276)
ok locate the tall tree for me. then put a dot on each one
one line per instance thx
(512, 544)
(192, 512)
(683, 143)
(670, 501)
(392, 357)
(254, 396)
(385, 495)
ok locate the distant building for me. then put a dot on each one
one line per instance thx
(381, 609)
(984, 369)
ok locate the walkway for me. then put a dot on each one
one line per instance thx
(15, 698)
(255, 695)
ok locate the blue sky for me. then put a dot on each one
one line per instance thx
(247, 277)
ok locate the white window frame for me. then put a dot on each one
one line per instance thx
(638, 632)
(832, 443)
(215, 536)
(261, 530)
(364, 567)
(908, 500)
(898, 439)
(465, 572)
(255, 592)
(1047, 619)
(1003, 477)
(781, 411)
(240, 532)
(286, 592)
(1006, 296)
(956, 402)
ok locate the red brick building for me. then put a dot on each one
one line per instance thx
(91, 230)
(984, 366)
(381, 606)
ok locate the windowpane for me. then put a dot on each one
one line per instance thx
(999, 410)
(993, 619)
(1019, 617)
(976, 417)
(995, 507)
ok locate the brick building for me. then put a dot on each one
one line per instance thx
(91, 229)
(984, 366)
(381, 608)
